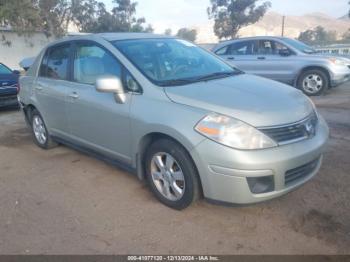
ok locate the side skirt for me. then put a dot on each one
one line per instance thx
(97, 155)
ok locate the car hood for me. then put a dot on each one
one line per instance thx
(257, 101)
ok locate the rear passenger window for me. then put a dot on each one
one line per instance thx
(55, 65)
(92, 61)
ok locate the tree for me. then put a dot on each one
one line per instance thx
(53, 17)
(318, 36)
(188, 34)
(168, 31)
(231, 15)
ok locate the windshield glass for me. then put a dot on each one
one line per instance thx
(300, 46)
(170, 61)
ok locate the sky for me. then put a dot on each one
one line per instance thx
(174, 14)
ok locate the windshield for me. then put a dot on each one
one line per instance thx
(170, 61)
(300, 46)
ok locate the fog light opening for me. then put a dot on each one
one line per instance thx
(260, 185)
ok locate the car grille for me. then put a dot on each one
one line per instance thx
(294, 132)
(301, 172)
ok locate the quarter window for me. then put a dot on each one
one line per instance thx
(92, 61)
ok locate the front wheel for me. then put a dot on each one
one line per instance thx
(313, 82)
(171, 174)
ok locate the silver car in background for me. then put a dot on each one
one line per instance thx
(286, 60)
(174, 114)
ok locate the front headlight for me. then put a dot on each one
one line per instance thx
(233, 133)
(337, 61)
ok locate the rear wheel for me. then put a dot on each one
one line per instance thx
(41, 136)
(171, 174)
(313, 82)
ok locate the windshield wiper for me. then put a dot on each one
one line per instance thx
(187, 81)
(217, 75)
(176, 82)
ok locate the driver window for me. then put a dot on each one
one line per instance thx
(92, 61)
(268, 47)
(280, 47)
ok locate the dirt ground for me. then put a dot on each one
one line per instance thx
(64, 202)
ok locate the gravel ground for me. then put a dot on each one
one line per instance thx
(64, 202)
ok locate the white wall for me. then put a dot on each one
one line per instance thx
(21, 47)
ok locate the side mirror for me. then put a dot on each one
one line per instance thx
(111, 84)
(284, 52)
(16, 72)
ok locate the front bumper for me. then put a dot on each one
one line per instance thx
(9, 101)
(224, 171)
(339, 75)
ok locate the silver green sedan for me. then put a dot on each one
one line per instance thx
(179, 117)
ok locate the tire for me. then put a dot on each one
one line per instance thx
(313, 82)
(39, 129)
(176, 161)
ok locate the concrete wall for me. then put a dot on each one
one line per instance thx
(20, 47)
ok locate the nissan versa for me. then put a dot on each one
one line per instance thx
(176, 115)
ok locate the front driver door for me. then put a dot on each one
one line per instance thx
(96, 120)
(271, 64)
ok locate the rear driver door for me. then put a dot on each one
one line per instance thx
(50, 88)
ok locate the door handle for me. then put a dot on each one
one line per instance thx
(231, 58)
(261, 57)
(74, 95)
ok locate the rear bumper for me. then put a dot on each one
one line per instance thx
(9, 101)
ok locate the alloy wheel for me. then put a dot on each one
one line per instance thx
(39, 130)
(167, 176)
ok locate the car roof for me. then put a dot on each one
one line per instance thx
(224, 43)
(108, 37)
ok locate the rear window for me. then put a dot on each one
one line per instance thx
(4, 69)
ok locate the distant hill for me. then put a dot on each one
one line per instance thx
(271, 24)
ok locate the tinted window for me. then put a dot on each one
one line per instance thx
(92, 61)
(242, 48)
(43, 66)
(4, 70)
(57, 63)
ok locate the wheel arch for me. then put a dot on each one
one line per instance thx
(312, 67)
(28, 109)
(149, 139)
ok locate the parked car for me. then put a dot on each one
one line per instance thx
(176, 115)
(286, 60)
(8, 87)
